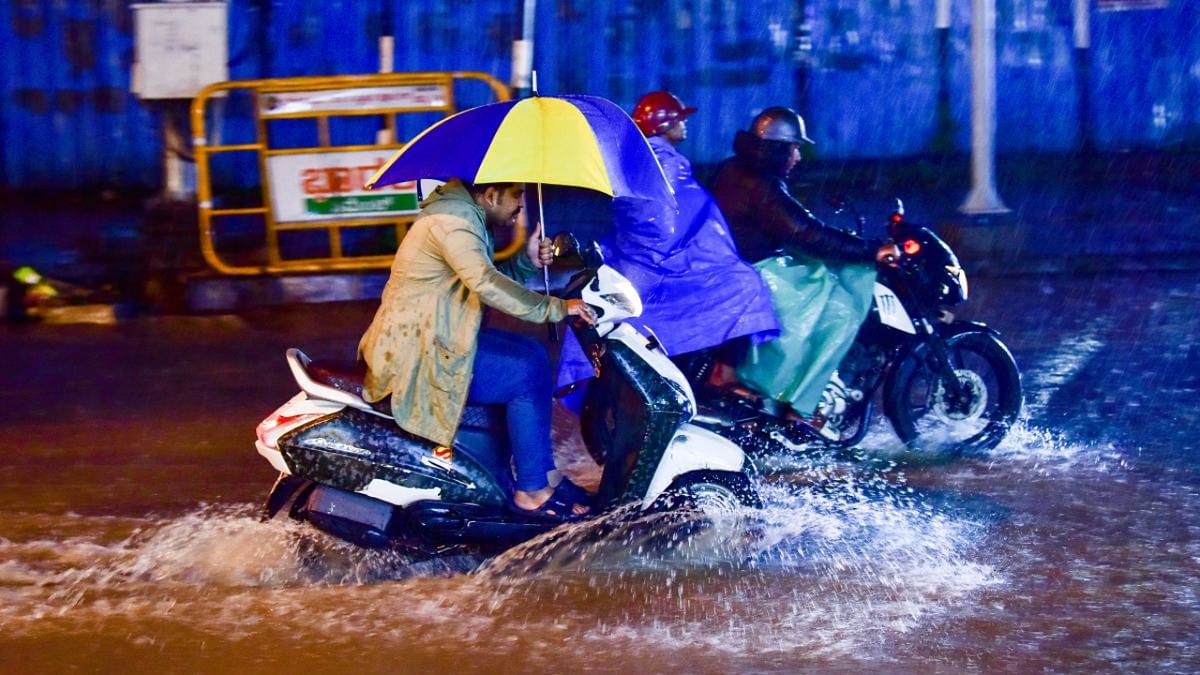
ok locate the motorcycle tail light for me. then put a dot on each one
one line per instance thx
(897, 217)
(911, 247)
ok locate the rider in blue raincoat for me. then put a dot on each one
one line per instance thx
(696, 290)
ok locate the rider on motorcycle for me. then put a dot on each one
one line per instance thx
(821, 276)
(697, 291)
(426, 351)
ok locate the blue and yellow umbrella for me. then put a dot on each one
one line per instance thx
(577, 141)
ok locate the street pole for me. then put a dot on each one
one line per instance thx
(387, 60)
(983, 198)
(522, 51)
(802, 57)
(943, 135)
(1083, 78)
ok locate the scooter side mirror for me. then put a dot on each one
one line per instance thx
(565, 244)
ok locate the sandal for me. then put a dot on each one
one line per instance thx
(572, 493)
(560, 505)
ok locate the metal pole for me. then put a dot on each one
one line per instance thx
(802, 57)
(943, 136)
(522, 52)
(983, 198)
(1083, 71)
(387, 60)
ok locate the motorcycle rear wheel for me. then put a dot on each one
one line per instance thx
(933, 426)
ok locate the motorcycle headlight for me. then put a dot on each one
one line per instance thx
(960, 278)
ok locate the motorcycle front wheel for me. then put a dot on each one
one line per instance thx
(936, 425)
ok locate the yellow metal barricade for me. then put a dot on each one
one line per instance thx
(315, 188)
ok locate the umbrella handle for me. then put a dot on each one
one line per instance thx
(553, 332)
(553, 327)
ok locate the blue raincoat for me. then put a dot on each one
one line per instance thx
(696, 290)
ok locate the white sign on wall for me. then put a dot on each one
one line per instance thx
(408, 96)
(181, 48)
(1127, 5)
(329, 186)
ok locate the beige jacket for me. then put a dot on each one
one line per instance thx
(420, 347)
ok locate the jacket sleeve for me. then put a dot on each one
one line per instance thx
(518, 267)
(793, 226)
(467, 254)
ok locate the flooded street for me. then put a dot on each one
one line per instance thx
(129, 532)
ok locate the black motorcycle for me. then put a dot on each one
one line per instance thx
(948, 386)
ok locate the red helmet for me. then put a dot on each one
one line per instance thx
(657, 110)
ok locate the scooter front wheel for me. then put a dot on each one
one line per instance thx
(713, 493)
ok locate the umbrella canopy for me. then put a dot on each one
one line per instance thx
(579, 141)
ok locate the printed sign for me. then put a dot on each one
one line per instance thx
(420, 96)
(329, 186)
(181, 48)
(1125, 5)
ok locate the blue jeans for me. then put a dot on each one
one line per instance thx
(514, 370)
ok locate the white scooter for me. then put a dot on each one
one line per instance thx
(347, 468)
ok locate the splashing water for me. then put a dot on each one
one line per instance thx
(825, 568)
(819, 566)
(843, 560)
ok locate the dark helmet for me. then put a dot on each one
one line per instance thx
(780, 124)
(657, 110)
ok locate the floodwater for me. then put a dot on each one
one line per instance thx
(129, 532)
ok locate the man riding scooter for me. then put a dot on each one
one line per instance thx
(425, 350)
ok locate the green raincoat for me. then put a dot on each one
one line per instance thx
(820, 307)
(420, 347)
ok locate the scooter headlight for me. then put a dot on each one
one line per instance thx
(623, 303)
(612, 296)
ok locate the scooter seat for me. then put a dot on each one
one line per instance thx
(350, 376)
(347, 377)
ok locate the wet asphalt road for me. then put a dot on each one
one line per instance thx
(1073, 546)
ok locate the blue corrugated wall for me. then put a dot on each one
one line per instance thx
(68, 120)
(66, 116)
